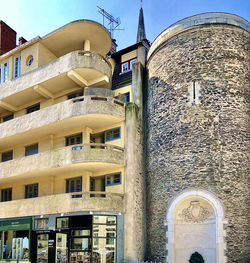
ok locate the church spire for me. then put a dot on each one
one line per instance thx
(141, 34)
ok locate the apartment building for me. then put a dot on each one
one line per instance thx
(70, 109)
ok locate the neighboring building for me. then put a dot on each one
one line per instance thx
(80, 128)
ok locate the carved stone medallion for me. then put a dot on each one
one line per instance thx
(195, 213)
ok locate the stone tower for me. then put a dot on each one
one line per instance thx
(198, 140)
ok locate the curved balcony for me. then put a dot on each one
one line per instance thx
(84, 68)
(92, 111)
(62, 203)
(90, 157)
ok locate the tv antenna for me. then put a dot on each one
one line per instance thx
(113, 22)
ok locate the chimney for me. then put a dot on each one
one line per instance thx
(21, 41)
(7, 38)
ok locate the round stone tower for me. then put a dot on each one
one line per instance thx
(198, 141)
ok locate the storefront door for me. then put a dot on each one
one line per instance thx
(61, 248)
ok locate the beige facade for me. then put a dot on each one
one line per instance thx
(64, 137)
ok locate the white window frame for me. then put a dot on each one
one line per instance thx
(17, 67)
(4, 72)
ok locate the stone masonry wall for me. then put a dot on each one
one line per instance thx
(203, 145)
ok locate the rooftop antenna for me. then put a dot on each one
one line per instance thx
(113, 22)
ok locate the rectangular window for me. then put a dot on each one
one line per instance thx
(128, 65)
(6, 195)
(113, 179)
(112, 134)
(31, 149)
(125, 67)
(75, 95)
(41, 224)
(31, 190)
(33, 108)
(62, 222)
(6, 156)
(17, 67)
(8, 117)
(73, 139)
(4, 72)
(126, 97)
(74, 185)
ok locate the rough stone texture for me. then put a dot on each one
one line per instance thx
(62, 203)
(204, 145)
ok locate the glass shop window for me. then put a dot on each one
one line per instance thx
(41, 224)
(62, 222)
(104, 239)
(15, 245)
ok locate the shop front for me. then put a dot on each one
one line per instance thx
(76, 238)
(15, 239)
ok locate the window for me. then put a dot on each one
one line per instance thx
(112, 134)
(74, 185)
(62, 222)
(131, 62)
(113, 179)
(128, 65)
(74, 95)
(6, 156)
(31, 149)
(29, 61)
(73, 139)
(33, 108)
(31, 190)
(126, 97)
(41, 224)
(125, 67)
(6, 195)
(17, 67)
(8, 117)
(4, 72)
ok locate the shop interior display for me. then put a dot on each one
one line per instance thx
(42, 248)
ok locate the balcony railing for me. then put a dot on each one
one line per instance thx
(80, 106)
(63, 203)
(74, 60)
(63, 159)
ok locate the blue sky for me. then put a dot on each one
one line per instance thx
(30, 18)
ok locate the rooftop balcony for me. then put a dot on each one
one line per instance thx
(77, 68)
(90, 157)
(63, 203)
(92, 111)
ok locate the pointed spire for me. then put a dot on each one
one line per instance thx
(141, 34)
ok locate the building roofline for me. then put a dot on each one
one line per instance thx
(202, 19)
(144, 43)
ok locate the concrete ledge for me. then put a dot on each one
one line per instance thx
(81, 106)
(62, 203)
(64, 159)
(73, 60)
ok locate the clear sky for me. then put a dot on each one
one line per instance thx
(30, 18)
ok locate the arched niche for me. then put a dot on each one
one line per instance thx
(195, 221)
